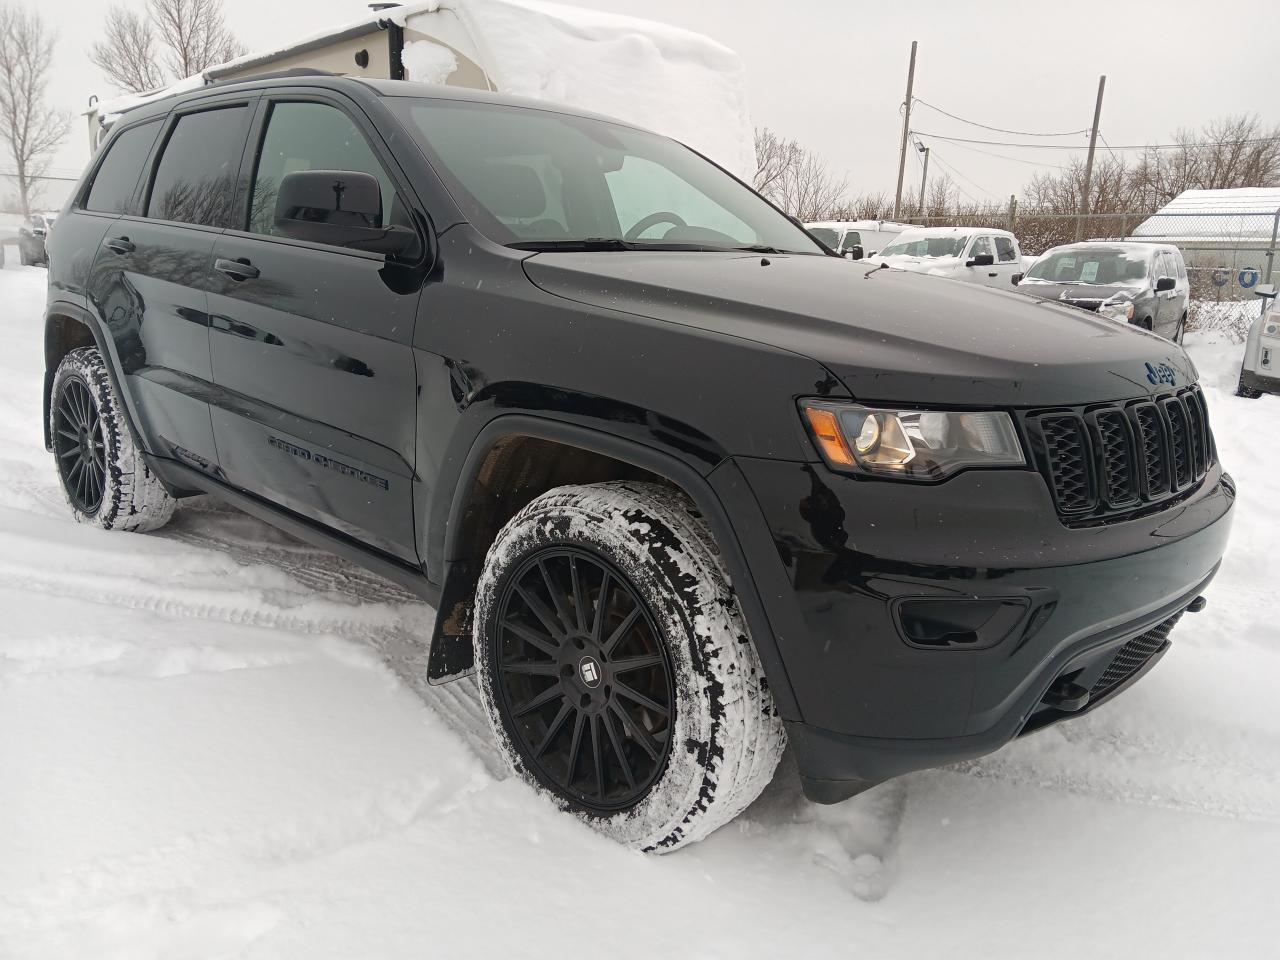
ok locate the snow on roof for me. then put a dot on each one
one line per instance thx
(676, 82)
(922, 232)
(1245, 213)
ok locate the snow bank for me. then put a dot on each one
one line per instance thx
(676, 82)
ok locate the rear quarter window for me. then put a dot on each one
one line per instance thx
(116, 178)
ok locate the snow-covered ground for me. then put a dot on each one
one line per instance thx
(213, 743)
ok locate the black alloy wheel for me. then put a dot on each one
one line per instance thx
(80, 446)
(584, 682)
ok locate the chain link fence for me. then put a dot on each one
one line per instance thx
(1228, 253)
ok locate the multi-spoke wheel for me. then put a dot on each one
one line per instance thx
(104, 476)
(615, 666)
(79, 445)
(582, 674)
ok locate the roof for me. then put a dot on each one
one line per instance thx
(952, 231)
(859, 225)
(1245, 213)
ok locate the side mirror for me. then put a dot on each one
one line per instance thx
(981, 260)
(1267, 291)
(1165, 283)
(1016, 279)
(854, 252)
(339, 207)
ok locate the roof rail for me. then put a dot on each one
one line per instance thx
(275, 75)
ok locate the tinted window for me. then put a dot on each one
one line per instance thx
(1005, 251)
(195, 180)
(852, 238)
(310, 136)
(116, 178)
(825, 234)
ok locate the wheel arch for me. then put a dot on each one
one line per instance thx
(68, 327)
(494, 484)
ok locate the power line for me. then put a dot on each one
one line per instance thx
(1129, 146)
(1018, 133)
(966, 179)
(1000, 156)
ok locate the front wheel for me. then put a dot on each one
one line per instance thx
(104, 477)
(616, 668)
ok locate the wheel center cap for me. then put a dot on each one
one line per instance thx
(589, 671)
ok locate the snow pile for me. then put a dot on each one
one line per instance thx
(678, 83)
(217, 742)
(427, 62)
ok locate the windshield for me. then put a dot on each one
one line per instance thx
(543, 180)
(918, 246)
(1105, 266)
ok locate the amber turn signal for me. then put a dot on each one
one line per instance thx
(826, 430)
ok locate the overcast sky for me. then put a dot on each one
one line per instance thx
(831, 73)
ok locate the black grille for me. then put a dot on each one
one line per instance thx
(1065, 445)
(1130, 658)
(1103, 461)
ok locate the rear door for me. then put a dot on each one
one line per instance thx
(151, 277)
(1169, 302)
(315, 406)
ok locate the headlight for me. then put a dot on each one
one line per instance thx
(1120, 310)
(911, 444)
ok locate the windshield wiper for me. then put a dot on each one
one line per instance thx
(576, 246)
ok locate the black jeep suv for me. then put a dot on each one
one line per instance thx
(681, 485)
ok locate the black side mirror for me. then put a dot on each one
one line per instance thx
(854, 252)
(338, 207)
(1165, 283)
(1016, 279)
(1267, 291)
(981, 260)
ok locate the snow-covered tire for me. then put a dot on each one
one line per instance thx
(1249, 393)
(725, 738)
(132, 496)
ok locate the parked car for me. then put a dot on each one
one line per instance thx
(1140, 283)
(31, 238)
(1260, 369)
(609, 411)
(859, 238)
(987, 257)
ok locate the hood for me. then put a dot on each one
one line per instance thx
(890, 336)
(1068, 292)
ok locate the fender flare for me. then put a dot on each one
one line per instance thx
(451, 650)
(65, 308)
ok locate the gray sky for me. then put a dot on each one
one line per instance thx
(831, 73)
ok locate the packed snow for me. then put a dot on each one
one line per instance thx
(216, 742)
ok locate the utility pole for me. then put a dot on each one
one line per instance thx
(1088, 164)
(924, 177)
(906, 127)
(1013, 212)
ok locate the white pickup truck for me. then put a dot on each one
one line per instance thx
(973, 254)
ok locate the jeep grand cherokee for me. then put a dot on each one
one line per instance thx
(681, 486)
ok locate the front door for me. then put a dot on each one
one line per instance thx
(315, 406)
(988, 275)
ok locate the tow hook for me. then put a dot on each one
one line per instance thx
(1196, 605)
(1067, 695)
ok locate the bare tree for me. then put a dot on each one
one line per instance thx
(31, 129)
(189, 35)
(127, 51)
(795, 178)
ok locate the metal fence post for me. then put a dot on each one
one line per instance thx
(1271, 253)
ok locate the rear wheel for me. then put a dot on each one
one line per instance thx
(104, 477)
(616, 668)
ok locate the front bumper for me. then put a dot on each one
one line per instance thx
(846, 552)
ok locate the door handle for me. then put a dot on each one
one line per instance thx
(240, 269)
(119, 245)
